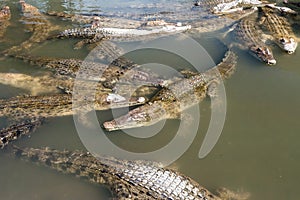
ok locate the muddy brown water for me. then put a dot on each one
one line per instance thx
(258, 151)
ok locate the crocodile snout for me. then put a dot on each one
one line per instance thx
(271, 62)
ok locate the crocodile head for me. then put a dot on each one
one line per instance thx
(27, 8)
(5, 12)
(144, 115)
(289, 44)
(264, 54)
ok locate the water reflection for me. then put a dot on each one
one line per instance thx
(258, 150)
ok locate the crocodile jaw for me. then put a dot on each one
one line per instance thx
(131, 120)
(264, 54)
(144, 115)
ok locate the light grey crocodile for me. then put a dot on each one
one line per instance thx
(226, 6)
(126, 179)
(96, 32)
(165, 104)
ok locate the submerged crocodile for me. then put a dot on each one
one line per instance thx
(36, 85)
(119, 71)
(15, 131)
(30, 111)
(279, 28)
(4, 20)
(166, 104)
(36, 23)
(249, 34)
(126, 179)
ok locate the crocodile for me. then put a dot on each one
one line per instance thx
(25, 107)
(120, 71)
(293, 4)
(28, 112)
(17, 130)
(36, 23)
(36, 85)
(4, 20)
(279, 28)
(126, 179)
(249, 34)
(96, 32)
(165, 104)
(227, 6)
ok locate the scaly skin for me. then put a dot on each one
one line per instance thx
(37, 24)
(29, 111)
(280, 29)
(15, 131)
(120, 71)
(96, 32)
(61, 66)
(4, 20)
(138, 180)
(250, 36)
(37, 84)
(226, 6)
(97, 21)
(178, 96)
(60, 105)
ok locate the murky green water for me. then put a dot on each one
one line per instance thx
(258, 150)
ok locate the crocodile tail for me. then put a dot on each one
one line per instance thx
(15, 131)
(228, 64)
(79, 163)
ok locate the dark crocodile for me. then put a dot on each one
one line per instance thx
(37, 24)
(15, 131)
(126, 179)
(167, 104)
(4, 20)
(36, 85)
